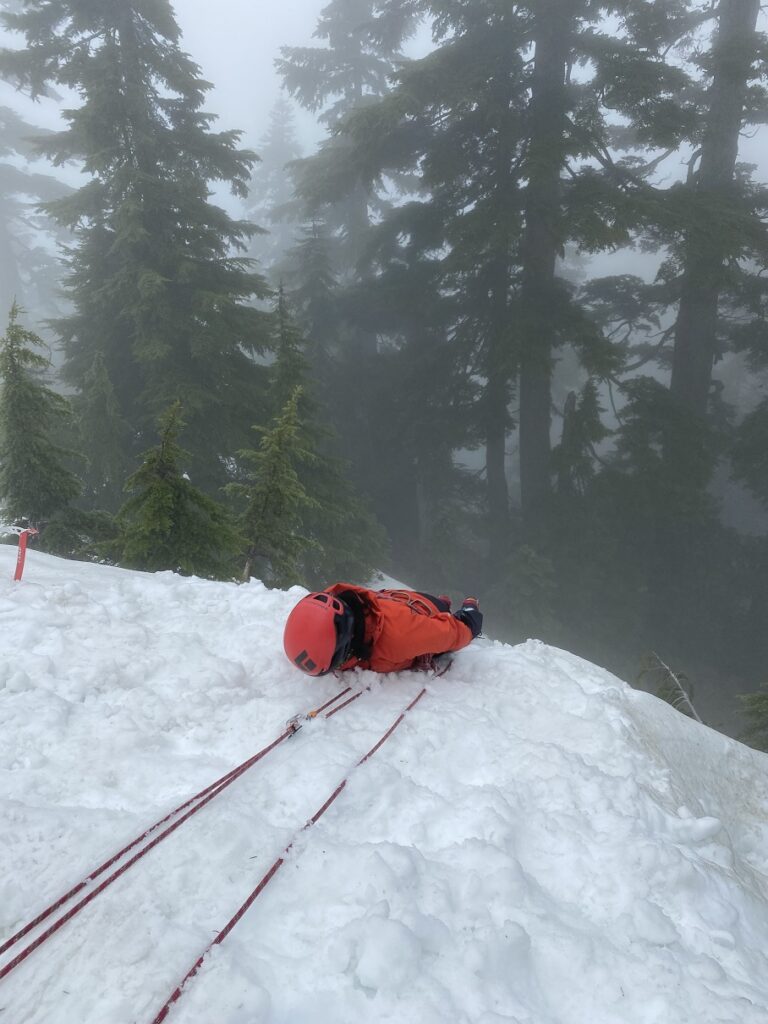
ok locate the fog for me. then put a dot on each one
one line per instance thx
(427, 297)
(235, 43)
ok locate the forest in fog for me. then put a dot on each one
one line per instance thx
(416, 346)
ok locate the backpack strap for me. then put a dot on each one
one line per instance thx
(361, 643)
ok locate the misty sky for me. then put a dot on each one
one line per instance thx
(236, 42)
(236, 47)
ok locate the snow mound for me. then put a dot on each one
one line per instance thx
(537, 843)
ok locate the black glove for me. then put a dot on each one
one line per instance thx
(470, 615)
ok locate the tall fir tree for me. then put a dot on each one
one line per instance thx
(155, 286)
(309, 276)
(104, 433)
(553, 40)
(721, 221)
(29, 273)
(707, 294)
(271, 190)
(349, 69)
(359, 46)
(168, 523)
(28, 270)
(490, 133)
(274, 499)
(346, 540)
(35, 483)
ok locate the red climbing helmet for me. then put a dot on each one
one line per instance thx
(318, 633)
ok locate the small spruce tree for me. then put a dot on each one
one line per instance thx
(170, 524)
(275, 499)
(348, 542)
(35, 483)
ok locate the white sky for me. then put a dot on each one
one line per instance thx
(236, 42)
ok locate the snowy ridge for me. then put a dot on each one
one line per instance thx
(537, 844)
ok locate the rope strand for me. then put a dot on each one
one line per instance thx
(275, 867)
(199, 800)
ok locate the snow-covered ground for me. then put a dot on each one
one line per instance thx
(536, 844)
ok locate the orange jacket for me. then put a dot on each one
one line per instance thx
(400, 626)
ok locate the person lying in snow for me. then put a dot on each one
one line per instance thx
(347, 627)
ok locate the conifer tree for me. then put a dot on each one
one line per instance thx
(168, 523)
(749, 457)
(465, 117)
(516, 160)
(28, 271)
(554, 26)
(350, 68)
(358, 51)
(27, 268)
(35, 483)
(750, 452)
(103, 432)
(670, 442)
(309, 274)
(155, 285)
(271, 189)
(335, 534)
(720, 221)
(274, 500)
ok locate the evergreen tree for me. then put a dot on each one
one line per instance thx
(468, 118)
(339, 538)
(103, 432)
(274, 500)
(156, 289)
(554, 29)
(573, 460)
(309, 274)
(271, 189)
(749, 457)
(722, 219)
(358, 50)
(27, 269)
(35, 483)
(750, 452)
(670, 442)
(168, 523)
(350, 68)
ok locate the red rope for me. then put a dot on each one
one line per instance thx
(269, 875)
(347, 702)
(204, 796)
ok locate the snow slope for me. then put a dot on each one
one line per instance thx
(536, 844)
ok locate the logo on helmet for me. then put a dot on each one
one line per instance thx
(304, 662)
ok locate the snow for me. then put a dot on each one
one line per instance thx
(537, 843)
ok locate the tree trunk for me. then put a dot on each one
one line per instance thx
(541, 245)
(496, 398)
(696, 330)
